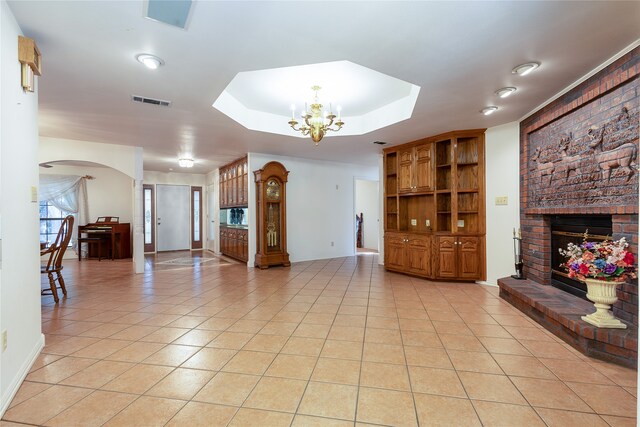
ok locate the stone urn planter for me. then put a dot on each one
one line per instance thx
(603, 294)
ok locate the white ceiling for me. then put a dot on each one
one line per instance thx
(459, 53)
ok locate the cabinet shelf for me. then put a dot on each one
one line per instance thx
(467, 190)
(446, 165)
(444, 212)
(467, 212)
(392, 174)
(447, 191)
(467, 164)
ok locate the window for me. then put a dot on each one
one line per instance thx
(50, 221)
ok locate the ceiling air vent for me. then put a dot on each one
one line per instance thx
(151, 101)
(379, 142)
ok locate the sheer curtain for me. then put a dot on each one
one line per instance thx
(67, 193)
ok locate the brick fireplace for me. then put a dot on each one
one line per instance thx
(579, 156)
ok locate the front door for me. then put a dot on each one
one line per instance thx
(173, 217)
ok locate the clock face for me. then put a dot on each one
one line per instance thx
(273, 190)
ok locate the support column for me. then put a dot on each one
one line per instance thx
(138, 220)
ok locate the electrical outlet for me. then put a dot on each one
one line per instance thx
(461, 223)
(502, 200)
(414, 222)
(4, 340)
(34, 194)
(331, 243)
(427, 223)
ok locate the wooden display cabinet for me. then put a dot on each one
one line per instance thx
(234, 242)
(434, 190)
(234, 182)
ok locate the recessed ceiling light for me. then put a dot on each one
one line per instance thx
(150, 61)
(505, 91)
(489, 110)
(185, 163)
(524, 69)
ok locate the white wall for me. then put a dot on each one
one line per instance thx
(109, 194)
(367, 203)
(20, 270)
(502, 179)
(318, 213)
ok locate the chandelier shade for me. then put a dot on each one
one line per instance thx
(316, 123)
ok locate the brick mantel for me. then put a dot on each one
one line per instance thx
(579, 155)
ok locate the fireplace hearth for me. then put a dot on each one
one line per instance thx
(567, 229)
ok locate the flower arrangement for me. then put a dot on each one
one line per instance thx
(608, 260)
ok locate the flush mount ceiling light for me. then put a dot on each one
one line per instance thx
(489, 110)
(524, 69)
(150, 61)
(185, 163)
(505, 91)
(317, 122)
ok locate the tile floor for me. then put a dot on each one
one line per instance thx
(336, 342)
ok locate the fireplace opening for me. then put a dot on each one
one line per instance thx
(567, 229)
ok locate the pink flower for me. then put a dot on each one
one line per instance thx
(588, 256)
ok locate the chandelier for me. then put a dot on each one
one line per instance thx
(316, 124)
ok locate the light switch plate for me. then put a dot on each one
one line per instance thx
(34, 193)
(427, 223)
(502, 200)
(461, 223)
(414, 222)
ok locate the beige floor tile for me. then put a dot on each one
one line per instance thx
(349, 350)
(575, 371)
(306, 330)
(98, 374)
(443, 382)
(284, 329)
(622, 376)
(135, 352)
(212, 359)
(474, 362)
(181, 384)
(303, 346)
(104, 331)
(43, 360)
(134, 333)
(247, 417)
(231, 340)
(441, 411)
(421, 339)
(523, 366)
(216, 324)
(483, 330)
(291, 366)
(188, 321)
(386, 407)
(266, 343)
(504, 346)
(549, 394)
(309, 421)
(495, 388)
(383, 336)
(69, 346)
(461, 342)
(605, 399)
(227, 389)
(197, 337)
(382, 375)
(419, 325)
(550, 350)
(27, 390)
(339, 371)
(329, 400)
(247, 326)
(195, 414)
(138, 379)
(147, 411)
(619, 421)
(506, 415)
(60, 369)
(93, 410)
(346, 333)
(46, 405)
(171, 355)
(165, 335)
(276, 394)
(560, 418)
(429, 357)
(249, 362)
(383, 353)
(388, 321)
(455, 328)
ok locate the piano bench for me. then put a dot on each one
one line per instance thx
(91, 241)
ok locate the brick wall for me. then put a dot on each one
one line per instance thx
(560, 173)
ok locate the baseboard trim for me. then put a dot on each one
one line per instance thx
(21, 375)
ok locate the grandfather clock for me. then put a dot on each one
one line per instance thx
(271, 215)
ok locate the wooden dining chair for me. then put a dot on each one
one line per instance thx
(56, 253)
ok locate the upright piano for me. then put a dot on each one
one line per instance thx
(116, 234)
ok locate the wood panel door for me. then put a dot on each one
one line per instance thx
(418, 255)
(405, 174)
(469, 258)
(447, 256)
(394, 251)
(423, 168)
